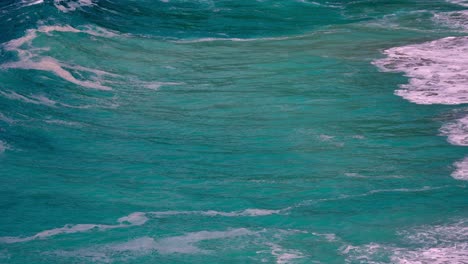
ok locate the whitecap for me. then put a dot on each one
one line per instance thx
(438, 70)
(457, 132)
(461, 170)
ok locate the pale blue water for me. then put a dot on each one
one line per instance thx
(233, 131)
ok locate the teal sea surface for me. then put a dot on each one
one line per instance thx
(222, 131)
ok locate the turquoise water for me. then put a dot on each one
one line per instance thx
(211, 131)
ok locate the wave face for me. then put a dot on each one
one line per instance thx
(213, 131)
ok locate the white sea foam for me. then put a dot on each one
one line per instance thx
(37, 99)
(440, 244)
(438, 70)
(457, 132)
(134, 219)
(186, 243)
(461, 170)
(456, 20)
(183, 244)
(31, 58)
(282, 255)
(72, 5)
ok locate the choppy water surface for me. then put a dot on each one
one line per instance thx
(213, 131)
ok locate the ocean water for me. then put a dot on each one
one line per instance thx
(247, 131)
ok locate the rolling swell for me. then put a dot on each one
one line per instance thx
(232, 131)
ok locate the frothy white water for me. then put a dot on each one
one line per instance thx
(72, 5)
(461, 170)
(457, 132)
(438, 70)
(282, 255)
(430, 244)
(134, 219)
(456, 20)
(31, 58)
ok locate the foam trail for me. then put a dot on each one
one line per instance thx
(183, 244)
(247, 212)
(30, 3)
(52, 65)
(369, 193)
(134, 219)
(35, 99)
(230, 39)
(72, 5)
(30, 58)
